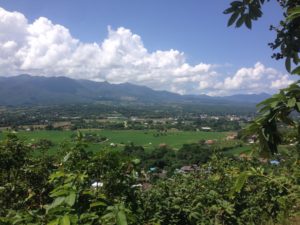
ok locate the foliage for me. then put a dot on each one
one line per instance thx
(194, 154)
(223, 192)
(278, 108)
(166, 158)
(288, 29)
(90, 137)
(274, 110)
(13, 158)
(44, 190)
(103, 188)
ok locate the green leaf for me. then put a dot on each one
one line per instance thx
(288, 64)
(121, 218)
(56, 175)
(29, 196)
(136, 161)
(248, 21)
(236, 3)
(67, 157)
(294, 10)
(70, 199)
(293, 13)
(298, 105)
(60, 192)
(274, 98)
(65, 220)
(239, 183)
(255, 13)
(232, 19)
(58, 201)
(229, 10)
(96, 204)
(274, 104)
(240, 21)
(54, 222)
(194, 215)
(296, 70)
(291, 102)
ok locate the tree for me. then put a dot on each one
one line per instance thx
(279, 107)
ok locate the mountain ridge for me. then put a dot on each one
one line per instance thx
(35, 90)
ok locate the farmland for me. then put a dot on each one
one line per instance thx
(149, 139)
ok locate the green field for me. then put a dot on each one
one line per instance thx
(148, 139)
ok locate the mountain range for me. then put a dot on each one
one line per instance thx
(38, 90)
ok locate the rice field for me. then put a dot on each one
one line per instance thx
(149, 139)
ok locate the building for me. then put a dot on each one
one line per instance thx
(209, 142)
(206, 128)
(188, 169)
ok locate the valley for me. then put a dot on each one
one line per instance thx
(149, 112)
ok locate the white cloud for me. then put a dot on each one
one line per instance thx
(44, 48)
(281, 82)
(254, 80)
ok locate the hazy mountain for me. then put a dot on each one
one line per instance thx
(251, 98)
(32, 90)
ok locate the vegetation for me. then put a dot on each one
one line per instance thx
(98, 139)
(81, 187)
(279, 107)
(135, 117)
(199, 183)
(222, 192)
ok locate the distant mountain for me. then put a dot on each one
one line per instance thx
(35, 90)
(251, 98)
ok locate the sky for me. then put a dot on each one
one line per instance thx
(174, 45)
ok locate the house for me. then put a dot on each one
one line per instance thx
(231, 137)
(263, 160)
(97, 184)
(146, 186)
(188, 169)
(209, 142)
(251, 141)
(163, 145)
(274, 162)
(245, 156)
(152, 169)
(161, 174)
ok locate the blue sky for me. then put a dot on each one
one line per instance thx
(195, 30)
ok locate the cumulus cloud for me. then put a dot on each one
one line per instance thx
(47, 49)
(253, 80)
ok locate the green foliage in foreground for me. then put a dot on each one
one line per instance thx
(223, 192)
(278, 109)
(58, 190)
